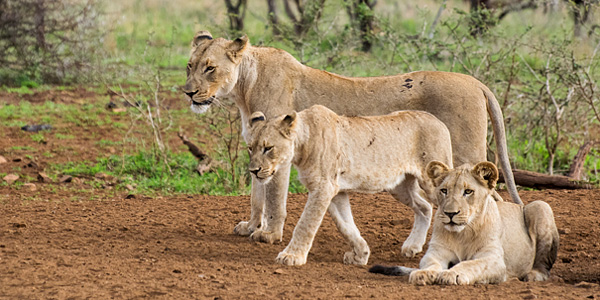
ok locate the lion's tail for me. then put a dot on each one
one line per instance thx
(391, 271)
(500, 135)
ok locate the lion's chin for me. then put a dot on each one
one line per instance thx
(452, 227)
(199, 108)
(264, 180)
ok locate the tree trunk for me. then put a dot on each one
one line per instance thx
(273, 18)
(236, 13)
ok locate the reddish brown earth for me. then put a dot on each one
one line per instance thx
(77, 240)
(182, 247)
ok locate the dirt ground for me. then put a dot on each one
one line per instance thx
(79, 240)
(182, 247)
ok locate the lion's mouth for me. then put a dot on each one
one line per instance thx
(208, 101)
(456, 227)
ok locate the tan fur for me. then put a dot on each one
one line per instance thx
(485, 241)
(274, 82)
(335, 154)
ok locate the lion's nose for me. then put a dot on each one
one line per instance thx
(191, 94)
(255, 171)
(451, 214)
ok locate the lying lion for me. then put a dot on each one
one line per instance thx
(478, 240)
(336, 154)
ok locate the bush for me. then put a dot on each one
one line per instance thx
(48, 41)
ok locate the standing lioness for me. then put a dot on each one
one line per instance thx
(478, 240)
(272, 81)
(336, 154)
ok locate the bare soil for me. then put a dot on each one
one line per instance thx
(74, 241)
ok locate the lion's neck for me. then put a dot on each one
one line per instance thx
(247, 76)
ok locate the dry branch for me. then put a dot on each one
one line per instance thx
(204, 161)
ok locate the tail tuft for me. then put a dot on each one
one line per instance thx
(391, 271)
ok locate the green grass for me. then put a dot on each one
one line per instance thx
(150, 175)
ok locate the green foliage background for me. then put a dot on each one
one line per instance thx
(545, 79)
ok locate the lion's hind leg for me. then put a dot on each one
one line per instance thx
(542, 229)
(409, 193)
(342, 216)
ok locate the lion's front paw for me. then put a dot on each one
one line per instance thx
(290, 259)
(352, 258)
(243, 228)
(423, 277)
(450, 277)
(265, 236)
(411, 250)
(535, 275)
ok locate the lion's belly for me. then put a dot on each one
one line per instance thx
(519, 252)
(369, 183)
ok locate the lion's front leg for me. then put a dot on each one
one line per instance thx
(257, 203)
(297, 250)
(271, 229)
(342, 216)
(484, 268)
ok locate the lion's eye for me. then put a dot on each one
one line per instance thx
(267, 149)
(444, 191)
(468, 192)
(209, 69)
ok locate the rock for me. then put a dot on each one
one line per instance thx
(104, 176)
(65, 179)
(564, 230)
(10, 178)
(395, 222)
(119, 110)
(32, 164)
(36, 127)
(111, 105)
(77, 180)
(129, 187)
(42, 177)
(587, 285)
(30, 187)
(3, 160)
(279, 271)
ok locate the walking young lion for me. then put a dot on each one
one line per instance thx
(478, 240)
(336, 154)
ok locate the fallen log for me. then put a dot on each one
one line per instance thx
(545, 181)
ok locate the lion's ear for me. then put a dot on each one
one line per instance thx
(437, 171)
(487, 173)
(288, 123)
(201, 37)
(236, 49)
(257, 116)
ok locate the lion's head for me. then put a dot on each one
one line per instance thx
(212, 70)
(461, 193)
(271, 144)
